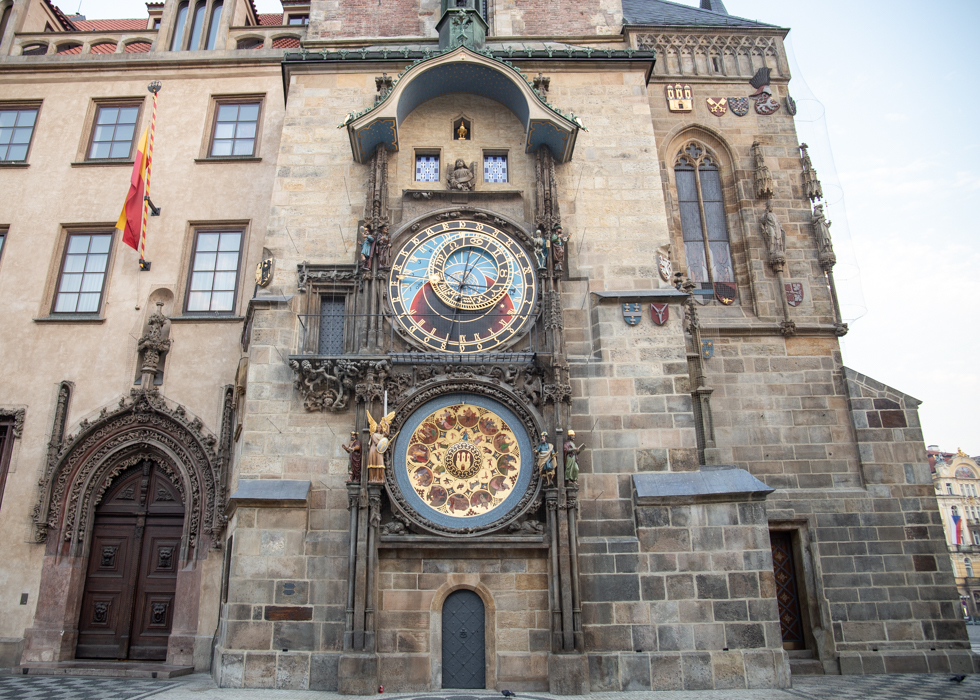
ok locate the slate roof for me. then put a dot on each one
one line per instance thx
(660, 13)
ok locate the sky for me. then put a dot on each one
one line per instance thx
(888, 107)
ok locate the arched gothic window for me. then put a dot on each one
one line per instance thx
(702, 208)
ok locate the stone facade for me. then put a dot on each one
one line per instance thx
(955, 478)
(747, 506)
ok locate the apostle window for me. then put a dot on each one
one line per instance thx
(113, 131)
(81, 282)
(212, 284)
(16, 133)
(426, 167)
(235, 129)
(702, 210)
(494, 168)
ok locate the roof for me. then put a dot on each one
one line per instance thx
(270, 20)
(658, 13)
(60, 16)
(109, 25)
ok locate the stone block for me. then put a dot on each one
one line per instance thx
(760, 671)
(293, 636)
(728, 669)
(666, 672)
(293, 671)
(604, 672)
(744, 636)
(568, 674)
(697, 670)
(357, 674)
(248, 635)
(404, 672)
(635, 671)
(260, 670)
(323, 671)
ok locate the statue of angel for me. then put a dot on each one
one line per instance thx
(379, 443)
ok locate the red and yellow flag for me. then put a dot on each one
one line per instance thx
(131, 220)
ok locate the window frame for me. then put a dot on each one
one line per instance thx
(196, 231)
(120, 102)
(216, 102)
(319, 290)
(4, 231)
(6, 452)
(495, 153)
(16, 105)
(300, 16)
(427, 153)
(61, 271)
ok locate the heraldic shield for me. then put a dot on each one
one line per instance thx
(739, 106)
(726, 292)
(717, 107)
(660, 313)
(664, 267)
(794, 293)
(632, 313)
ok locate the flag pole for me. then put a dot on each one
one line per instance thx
(154, 88)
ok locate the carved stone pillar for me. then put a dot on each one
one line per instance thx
(353, 502)
(551, 506)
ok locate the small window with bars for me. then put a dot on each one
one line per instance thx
(331, 337)
(426, 168)
(494, 168)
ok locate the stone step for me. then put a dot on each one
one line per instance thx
(104, 669)
(806, 667)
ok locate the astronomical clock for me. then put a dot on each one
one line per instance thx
(462, 460)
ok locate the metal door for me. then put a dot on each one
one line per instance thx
(787, 592)
(464, 659)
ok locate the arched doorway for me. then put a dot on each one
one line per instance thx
(463, 641)
(127, 607)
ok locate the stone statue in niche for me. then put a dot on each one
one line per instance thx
(353, 448)
(558, 241)
(154, 342)
(540, 249)
(378, 446)
(367, 247)
(545, 456)
(774, 235)
(462, 178)
(821, 228)
(571, 451)
(383, 248)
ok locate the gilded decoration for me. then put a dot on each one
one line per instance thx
(463, 460)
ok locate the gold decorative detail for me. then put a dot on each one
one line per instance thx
(463, 460)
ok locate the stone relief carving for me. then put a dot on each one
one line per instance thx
(154, 342)
(318, 273)
(18, 415)
(764, 186)
(100, 612)
(462, 178)
(326, 385)
(811, 185)
(108, 556)
(696, 54)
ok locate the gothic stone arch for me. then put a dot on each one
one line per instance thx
(143, 426)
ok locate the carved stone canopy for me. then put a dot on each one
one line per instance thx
(18, 415)
(142, 426)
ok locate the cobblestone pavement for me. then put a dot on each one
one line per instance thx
(201, 687)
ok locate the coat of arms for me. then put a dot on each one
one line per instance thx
(794, 293)
(790, 106)
(679, 97)
(263, 272)
(664, 267)
(660, 313)
(632, 313)
(726, 292)
(717, 107)
(739, 105)
(765, 104)
(707, 349)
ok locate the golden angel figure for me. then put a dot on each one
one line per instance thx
(378, 445)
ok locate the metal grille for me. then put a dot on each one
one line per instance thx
(787, 594)
(331, 326)
(427, 168)
(463, 653)
(495, 168)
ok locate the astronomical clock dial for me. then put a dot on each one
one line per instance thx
(462, 287)
(463, 461)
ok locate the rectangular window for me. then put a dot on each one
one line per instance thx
(83, 273)
(16, 132)
(426, 168)
(235, 129)
(299, 19)
(495, 168)
(3, 239)
(213, 282)
(949, 489)
(113, 132)
(6, 446)
(331, 326)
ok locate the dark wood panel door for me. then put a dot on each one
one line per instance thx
(128, 604)
(787, 590)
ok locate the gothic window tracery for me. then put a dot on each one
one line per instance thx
(707, 247)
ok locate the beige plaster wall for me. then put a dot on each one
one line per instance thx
(101, 358)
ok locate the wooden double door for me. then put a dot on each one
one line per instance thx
(128, 604)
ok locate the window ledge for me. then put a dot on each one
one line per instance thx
(229, 159)
(13, 164)
(70, 318)
(206, 318)
(98, 162)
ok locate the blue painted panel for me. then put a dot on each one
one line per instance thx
(543, 133)
(378, 131)
(473, 78)
(401, 457)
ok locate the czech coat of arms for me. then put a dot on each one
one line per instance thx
(739, 105)
(632, 313)
(660, 313)
(717, 107)
(726, 292)
(664, 267)
(679, 97)
(794, 293)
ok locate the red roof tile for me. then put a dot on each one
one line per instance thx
(270, 20)
(109, 25)
(138, 47)
(286, 42)
(104, 47)
(70, 49)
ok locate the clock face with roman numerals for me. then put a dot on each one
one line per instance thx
(462, 287)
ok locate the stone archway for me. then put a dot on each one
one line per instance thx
(141, 427)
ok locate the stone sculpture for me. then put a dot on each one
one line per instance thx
(367, 247)
(540, 249)
(571, 451)
(545, 454)
(462, 178)
(354, 450)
